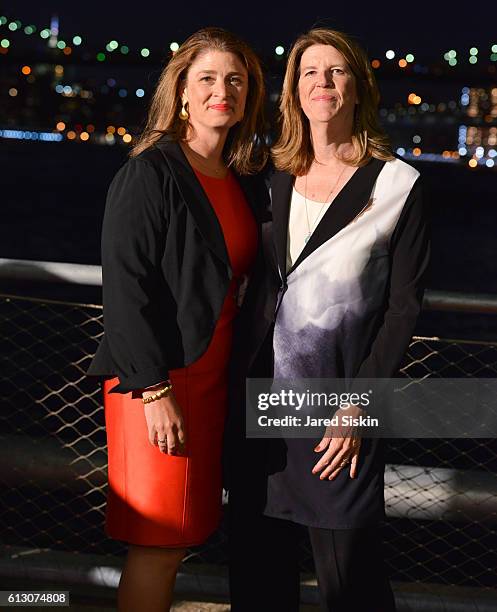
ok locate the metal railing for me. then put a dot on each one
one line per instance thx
(440, 494)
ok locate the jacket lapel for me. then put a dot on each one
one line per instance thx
(246, 184)
(347, 205)
(195, 197)
(281, 194)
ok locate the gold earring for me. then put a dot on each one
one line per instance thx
(184, 115)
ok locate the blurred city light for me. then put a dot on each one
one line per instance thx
(84, 95)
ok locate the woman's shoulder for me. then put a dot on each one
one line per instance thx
(147, 168)
(152, 157)
(402, 170)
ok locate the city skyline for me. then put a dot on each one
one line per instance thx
(377, 29)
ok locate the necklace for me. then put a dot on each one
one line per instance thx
(310, 228)
(203, 164)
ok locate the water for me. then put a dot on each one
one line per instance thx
(53, 198)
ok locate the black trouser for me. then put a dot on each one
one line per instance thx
(350, 570)
(264, 566)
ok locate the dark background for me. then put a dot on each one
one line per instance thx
(423, 28)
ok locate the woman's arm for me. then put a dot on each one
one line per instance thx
(133, 239)
(410, 253)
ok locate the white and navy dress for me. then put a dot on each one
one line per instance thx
(348, 304)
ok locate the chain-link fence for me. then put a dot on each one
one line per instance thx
(441, 522)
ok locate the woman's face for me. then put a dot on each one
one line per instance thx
(326, 86)
(216, 90)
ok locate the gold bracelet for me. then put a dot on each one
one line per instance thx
(162, 393)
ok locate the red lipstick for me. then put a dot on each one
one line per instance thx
(221, 107)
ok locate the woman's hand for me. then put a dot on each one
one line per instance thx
(343, 445)
(165, 423)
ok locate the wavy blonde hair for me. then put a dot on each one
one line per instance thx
(293, 151)
(245, 148)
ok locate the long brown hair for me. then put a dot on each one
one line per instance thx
(293, 151)
(245, 148)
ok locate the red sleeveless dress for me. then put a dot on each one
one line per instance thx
(161, 500)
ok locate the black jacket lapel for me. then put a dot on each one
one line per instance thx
(194, 197)
(347, 205)
(281, 193)
(247, 186)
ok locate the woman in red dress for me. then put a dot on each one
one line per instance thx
(179, 237)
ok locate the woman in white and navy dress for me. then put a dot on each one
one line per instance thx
(339, 298)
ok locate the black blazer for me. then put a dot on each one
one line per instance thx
(165, 266)
(409, 250)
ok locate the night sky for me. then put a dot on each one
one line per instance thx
(425, 29)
